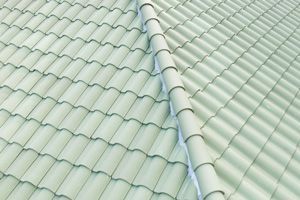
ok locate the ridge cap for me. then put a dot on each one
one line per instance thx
(201, 167)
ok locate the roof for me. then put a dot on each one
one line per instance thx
(82, 111)
(123, 99)
(240, 64)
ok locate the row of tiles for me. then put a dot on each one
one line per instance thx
(71, 13)
(12, 188)
(62, 177)
(88, 79)
(110, 131)
(90, 52)
(70, 67)
(26, 24)
(44, 5)
(108, 103)
(96, 186)
(76, 49)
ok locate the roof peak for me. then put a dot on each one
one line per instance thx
(201, 163)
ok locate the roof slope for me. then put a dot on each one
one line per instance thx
(82, 112)
(239, 62)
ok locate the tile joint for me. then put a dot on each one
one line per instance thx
(205, 190)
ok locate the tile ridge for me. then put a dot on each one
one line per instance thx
(200, 163)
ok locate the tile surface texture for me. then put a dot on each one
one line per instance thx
(239, 61)
(82, 111)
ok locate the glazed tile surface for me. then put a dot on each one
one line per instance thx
(82, 112)
(85, 112)
(239, 62)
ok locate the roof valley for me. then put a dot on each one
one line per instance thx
(201, 164)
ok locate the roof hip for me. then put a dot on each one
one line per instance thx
(201, 162)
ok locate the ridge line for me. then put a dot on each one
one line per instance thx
(201, 168)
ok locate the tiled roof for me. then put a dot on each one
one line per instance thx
(82, 110)
(124, 99)
(239, 62)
